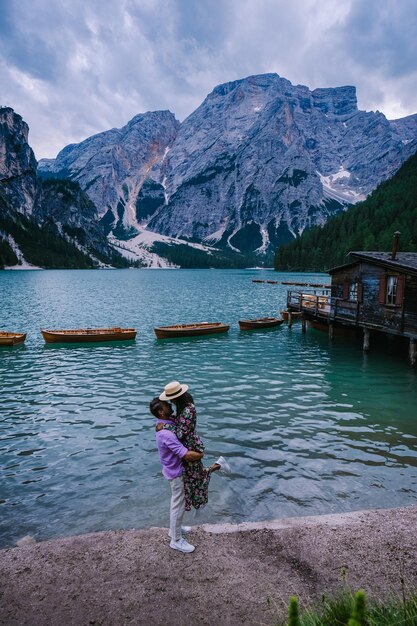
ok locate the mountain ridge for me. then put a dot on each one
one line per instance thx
(257, 163)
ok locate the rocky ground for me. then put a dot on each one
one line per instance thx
(238, 575)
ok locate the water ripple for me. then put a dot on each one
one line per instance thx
(309, 426)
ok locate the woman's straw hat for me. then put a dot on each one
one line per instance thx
(173, 390)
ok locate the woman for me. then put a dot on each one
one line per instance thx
(196, 476)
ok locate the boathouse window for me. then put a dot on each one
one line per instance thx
(353, 291)
(391, 290)
(392, 286)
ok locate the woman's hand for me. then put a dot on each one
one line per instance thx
(159, 426)
(191, 456)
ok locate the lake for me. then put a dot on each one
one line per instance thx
(309, 426)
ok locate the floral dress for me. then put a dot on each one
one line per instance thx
(196, 476)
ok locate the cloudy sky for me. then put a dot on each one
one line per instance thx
(73, 68)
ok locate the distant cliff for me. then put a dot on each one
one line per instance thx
(113, 166)
(51, 224)
(368, 226)
(18, 181)
(259, 161)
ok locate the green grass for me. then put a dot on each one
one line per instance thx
(339, 611)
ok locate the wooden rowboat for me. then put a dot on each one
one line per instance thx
(338, 330)
(82, 335)
(189, 330)
(261, 322)
(11, 339)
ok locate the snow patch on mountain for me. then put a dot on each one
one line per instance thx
(22, 264)
(140, 248)
(230, 244)
(336, 186)
(265, 241)
(217, 235)
(135, 250)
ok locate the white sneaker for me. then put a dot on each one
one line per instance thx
(184, 531)
(225, 468)
(182, 545)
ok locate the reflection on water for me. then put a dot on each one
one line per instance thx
(308, 426)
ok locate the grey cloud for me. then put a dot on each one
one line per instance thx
(382, 36)
(207, 22)
(370, 46)
(91, 65)
(26, 50)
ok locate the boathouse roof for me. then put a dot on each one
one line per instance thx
(404, 261)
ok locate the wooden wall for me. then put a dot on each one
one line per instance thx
(410, 305)
(397, 319)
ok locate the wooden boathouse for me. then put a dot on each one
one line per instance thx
(372, 292)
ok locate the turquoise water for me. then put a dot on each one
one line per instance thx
(309, 426)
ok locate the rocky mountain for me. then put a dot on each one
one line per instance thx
(44, 224)
(18, 180)
(255, 165)
(64, 204)
(368, 226)
(113, 166)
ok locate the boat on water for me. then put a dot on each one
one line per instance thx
(189, 330)
(338, 329)
(11, 339)
(261, 322)
(83, 335)
(258, 280)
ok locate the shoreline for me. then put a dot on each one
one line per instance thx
(239, 574)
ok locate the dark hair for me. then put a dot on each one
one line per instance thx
(155, 406)
(182, 401)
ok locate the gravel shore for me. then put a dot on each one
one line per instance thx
(238, 575)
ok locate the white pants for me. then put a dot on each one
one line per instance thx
(177, 509)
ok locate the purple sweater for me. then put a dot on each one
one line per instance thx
(171, 452)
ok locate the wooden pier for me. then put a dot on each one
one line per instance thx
(376, 292)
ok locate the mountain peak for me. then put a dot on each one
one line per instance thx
(161, 115)
(263, 81)
(336, 100)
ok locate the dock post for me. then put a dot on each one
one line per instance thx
(366, 339)
(303, 324)
(331, 332)
(289, 319)
(413, 351)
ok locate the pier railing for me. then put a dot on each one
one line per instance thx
(344, 310)
(309, 302)
(322, 305)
